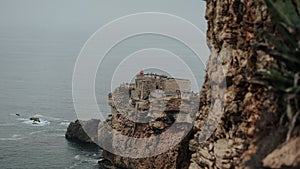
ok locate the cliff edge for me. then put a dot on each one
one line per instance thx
(83, 131)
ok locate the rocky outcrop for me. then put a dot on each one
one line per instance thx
(286, 155)
(173, 158)
(160, 120)
(83, 131)
(250, 133)
(250, 126)
(35, 119)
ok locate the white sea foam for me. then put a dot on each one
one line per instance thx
(14, 137)
(56, 135)
(41, 123)
(22, 119)
(36, 132)
(92, 160)
(47, 117)
(64, 123)
(73, 166)
(7, 124)
(10, 139)
(82, 159)
(77, 157)
(86, 158)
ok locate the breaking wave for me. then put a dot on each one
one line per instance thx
(14, 137)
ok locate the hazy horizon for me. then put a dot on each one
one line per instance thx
(77, 19)
(40, 41)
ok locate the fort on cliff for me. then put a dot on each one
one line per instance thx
(147, 83)
(153, 96)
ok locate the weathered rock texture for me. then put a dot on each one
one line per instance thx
(249, 134)
(287, 154)
(176, 157)
(249, 129)
(83, 131)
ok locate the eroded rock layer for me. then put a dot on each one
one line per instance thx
(169, 115)
(248, 133)
(83, 131)
(249, 128)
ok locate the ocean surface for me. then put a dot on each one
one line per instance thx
(36, 81)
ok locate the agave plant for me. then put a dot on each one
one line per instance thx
(284, 76)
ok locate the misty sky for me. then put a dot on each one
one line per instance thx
(41, 39)
(80, 18)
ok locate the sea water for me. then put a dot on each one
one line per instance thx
(36, 81)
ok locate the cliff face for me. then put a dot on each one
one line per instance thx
(161, 112)
(83, 131)
(250, 133)
(250, 127)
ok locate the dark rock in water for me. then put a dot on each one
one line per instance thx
(35, 119)
(17, 114)
(83, 131)
(104, 163)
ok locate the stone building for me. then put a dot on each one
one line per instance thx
(147, 83)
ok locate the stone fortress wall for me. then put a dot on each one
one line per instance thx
(147, 83)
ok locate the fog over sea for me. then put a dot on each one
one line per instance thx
(38, 52)
(36, 80)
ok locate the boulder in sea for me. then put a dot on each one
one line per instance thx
(104, 163)
(83, 131)
(35, 119)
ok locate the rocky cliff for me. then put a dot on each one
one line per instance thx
(83, 131)
(251, 132)
(250, 127)
(161, 118)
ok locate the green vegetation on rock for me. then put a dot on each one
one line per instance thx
(284, 75)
